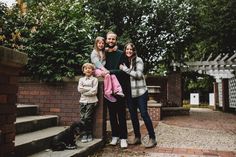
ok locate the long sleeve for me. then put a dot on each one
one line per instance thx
(93, 90)
(138, 73)
(87, 86)
(96, 61)
(81, 88)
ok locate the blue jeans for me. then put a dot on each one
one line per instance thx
(141, 103)
(117, 113)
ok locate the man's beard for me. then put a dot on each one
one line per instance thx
(111, 46)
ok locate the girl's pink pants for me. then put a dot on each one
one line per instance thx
(111, 84)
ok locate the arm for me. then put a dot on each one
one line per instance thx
(81, 88)
(138, 73)
(92, 91)
(95, 60)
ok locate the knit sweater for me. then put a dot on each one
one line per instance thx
(137, 80)
(88, 86)
(113, 61)
(96, 60)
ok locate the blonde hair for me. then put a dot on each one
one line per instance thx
(88, 65)
(110, 32)
(95, 47)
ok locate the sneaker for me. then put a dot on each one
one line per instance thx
(89, 138)
(110, 98)
(123, 143)
(120, 93)
(114, 141)
(151, 143)
(135, 141)
(84, 139)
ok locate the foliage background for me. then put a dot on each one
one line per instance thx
(58, 35)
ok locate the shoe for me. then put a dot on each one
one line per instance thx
(110, 98)
(84, 139)
(123, 143)
(135, 141)
(114, 141)
(120, 93)
(89, 138)
(151, 143)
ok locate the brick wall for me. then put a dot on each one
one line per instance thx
(159, 81)
(174, 90)
(10, 65)
(60, 99)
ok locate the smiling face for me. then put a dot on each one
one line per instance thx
(88, 71)
(111, 40)
(100, 45)
(129, 51)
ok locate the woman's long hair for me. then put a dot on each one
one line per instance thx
(133, 57)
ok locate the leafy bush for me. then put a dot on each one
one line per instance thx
(57, 37)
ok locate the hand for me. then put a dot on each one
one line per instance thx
(115, 48)
(121, 66)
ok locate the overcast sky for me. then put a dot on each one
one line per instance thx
(8, 2)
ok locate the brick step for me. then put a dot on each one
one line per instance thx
(174, 111)
(26, 110)
(33, 123)
(33, 142)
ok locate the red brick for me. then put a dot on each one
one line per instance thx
(55, 109)
(8, 109)
(9, 137)
(12, 98)
(13, 80)
(7, 149)
(2, 119)
(3, 99)
(7, 128)
(8, 89)
(34, 92)
(3, 79)
(11, 118)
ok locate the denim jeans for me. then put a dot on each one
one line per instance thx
(117, 115)
(141, 104)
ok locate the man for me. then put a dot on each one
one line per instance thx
(117, 110)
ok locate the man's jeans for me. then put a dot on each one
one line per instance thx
(140, 103)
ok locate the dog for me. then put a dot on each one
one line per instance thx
(67, 138)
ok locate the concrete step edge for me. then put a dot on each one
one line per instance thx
(33, 118)
(34, 123)
(37, 135)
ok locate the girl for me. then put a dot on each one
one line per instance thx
(111, 84)
(138, 95)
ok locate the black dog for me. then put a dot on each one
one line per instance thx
(67, 138)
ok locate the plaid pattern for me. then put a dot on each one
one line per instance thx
(137, 80)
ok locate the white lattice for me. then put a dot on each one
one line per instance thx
(220, 94)
(232, 92)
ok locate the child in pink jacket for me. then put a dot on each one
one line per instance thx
(98, 58)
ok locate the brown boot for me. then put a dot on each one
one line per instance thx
(135, 141)
(151, 143)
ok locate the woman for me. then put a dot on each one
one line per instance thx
(138, 96)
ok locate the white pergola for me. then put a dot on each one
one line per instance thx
(223, 66)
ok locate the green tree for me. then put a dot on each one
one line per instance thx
(57, 37)
(215, 29)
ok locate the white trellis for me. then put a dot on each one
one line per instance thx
(220, 67)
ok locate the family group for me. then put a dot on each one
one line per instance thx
(124, 85)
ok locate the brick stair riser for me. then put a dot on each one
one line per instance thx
(35, 125)
(33, 147)
(27, 111)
